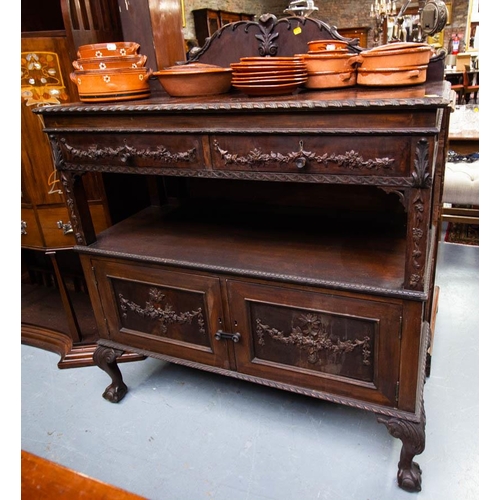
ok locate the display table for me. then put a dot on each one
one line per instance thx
(291, 241)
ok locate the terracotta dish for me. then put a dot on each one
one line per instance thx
(411, 75)
(195, 79)
(329, 62)
(331, 80)
(327, 44)
(398, 58)
(267, 89)
(112, 62)
(398, 46)
(112, 85)
(107, 49)
(269, 75)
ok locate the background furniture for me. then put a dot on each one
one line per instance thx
(56, 312)
(461, 182)
(208, 21)
(361, 33)
(471, 86)
(456, 78)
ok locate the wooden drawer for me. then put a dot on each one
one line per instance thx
(325, 342)
(162, 311)
(30, 232)
(57, 229)
(315, 154)
(133, 150)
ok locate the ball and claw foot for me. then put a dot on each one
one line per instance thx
(105, 358)
(412, 435)
(115, 393)
(410, 479)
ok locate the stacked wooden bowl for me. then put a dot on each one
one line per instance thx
(329, 65)
(111, 72)
(394, 64)
(266, 76)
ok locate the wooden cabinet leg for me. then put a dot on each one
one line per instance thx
(412, 435)
(105, 358)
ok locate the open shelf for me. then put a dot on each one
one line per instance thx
(290, 245)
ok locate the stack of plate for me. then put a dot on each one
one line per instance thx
(111, 72)
(261, 76)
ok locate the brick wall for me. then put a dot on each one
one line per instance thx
(339, 13)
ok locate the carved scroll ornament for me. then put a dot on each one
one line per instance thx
(350, 159)
(311, 335)
(162, 313)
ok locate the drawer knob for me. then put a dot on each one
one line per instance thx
(235, 337)
(300, 162)
(67, 229)
(24, 225)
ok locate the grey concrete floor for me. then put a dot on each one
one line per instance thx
(182, 434)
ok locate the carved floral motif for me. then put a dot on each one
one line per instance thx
(165, 314)
(311, 335)
(350, 159)
(125, 152)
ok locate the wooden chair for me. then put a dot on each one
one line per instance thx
(471, 86)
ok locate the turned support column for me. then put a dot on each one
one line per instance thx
(105, 358)
(412, 435)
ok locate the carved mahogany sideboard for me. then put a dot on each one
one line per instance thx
(292, 243)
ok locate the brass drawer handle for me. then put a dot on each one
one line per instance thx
(24, 225)
(235, 337)
(67, 229)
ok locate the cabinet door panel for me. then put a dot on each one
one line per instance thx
(163, 311)
(324, 342)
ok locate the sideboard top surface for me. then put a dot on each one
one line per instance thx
(433, 95)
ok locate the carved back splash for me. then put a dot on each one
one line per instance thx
(269, 36)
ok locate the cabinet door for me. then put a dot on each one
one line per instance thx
(161, 311)
(325, 342)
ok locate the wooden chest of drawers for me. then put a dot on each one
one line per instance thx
(297, 248)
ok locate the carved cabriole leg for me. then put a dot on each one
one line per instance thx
(105, 358)
(412, 435)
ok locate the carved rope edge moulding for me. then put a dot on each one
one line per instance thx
(374, 408)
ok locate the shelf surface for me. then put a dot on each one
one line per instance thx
(267, 245)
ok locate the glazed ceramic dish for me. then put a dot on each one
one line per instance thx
(112, 85)
(112, 62)
(196, 79)
(327, 45)
(107, 49)
(329, 62)
(398, 58)
(331, 80)
(392, 76)
(269, 75)
(267, 89)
